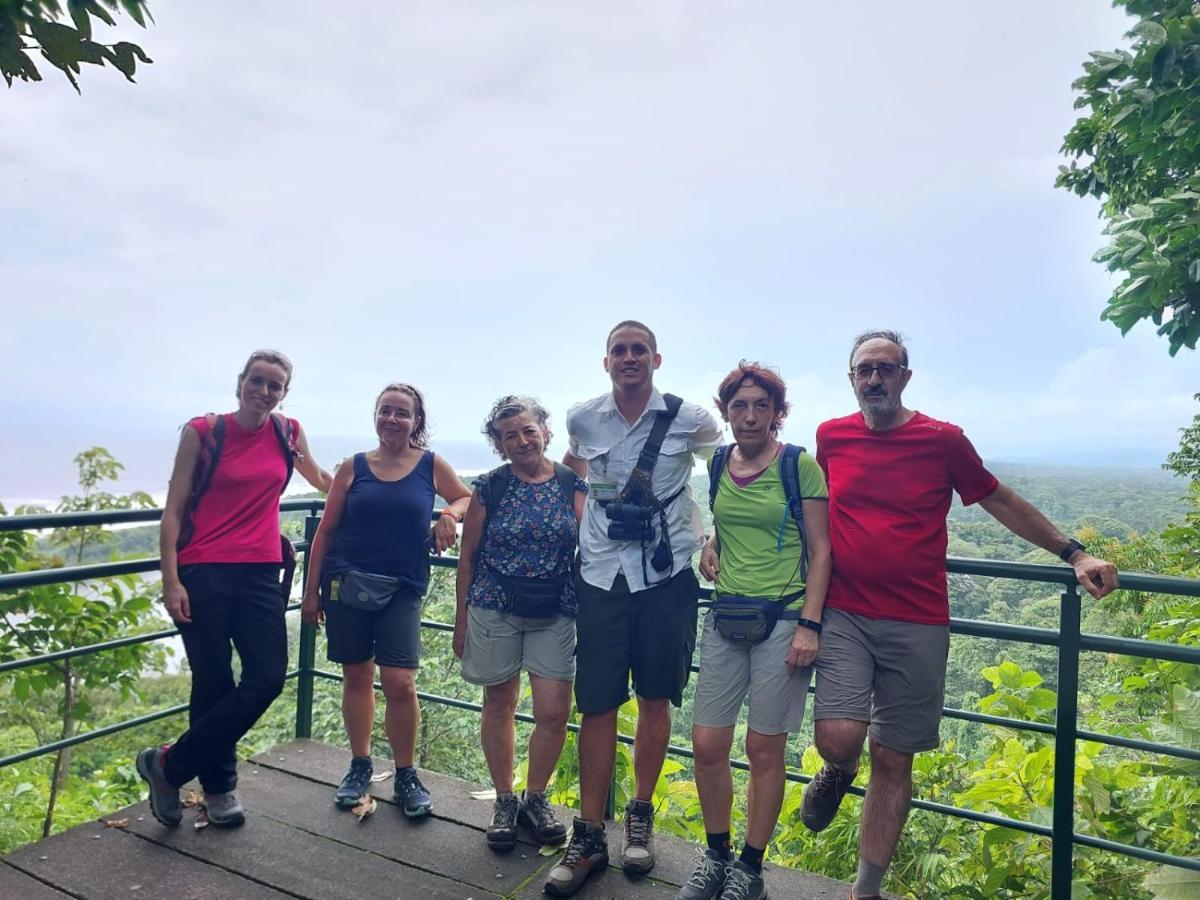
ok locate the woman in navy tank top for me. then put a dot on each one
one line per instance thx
(376, 535)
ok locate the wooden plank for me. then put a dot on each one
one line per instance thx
(100, 863)
(301, 863)
(15, 883)
(325, 764)
(443, 847)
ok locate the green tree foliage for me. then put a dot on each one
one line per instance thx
(1185, 462)
(1138, 152)
(53, 700)
(63, 35)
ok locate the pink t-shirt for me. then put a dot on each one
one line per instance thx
(237, 519)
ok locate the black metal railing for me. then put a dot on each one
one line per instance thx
(1068, 639)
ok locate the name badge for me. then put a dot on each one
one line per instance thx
(603, 490)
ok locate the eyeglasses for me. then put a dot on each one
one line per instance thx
(887, 371)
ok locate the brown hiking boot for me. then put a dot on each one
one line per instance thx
(586, 853)
(823, 796)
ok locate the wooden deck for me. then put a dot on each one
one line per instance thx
(296, 843)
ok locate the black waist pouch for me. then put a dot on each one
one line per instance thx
(364, 591)
(747, 620)
(532, 598)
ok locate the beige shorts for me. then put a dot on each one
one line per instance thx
(500, 645)
(729, 671)
(888, 673)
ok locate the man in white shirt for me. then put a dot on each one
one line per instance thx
(637, 597)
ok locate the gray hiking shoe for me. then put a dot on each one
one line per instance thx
(744, 883)
(823, 795)
(587, 853)
(637, 857)
(411, 794)
(707, 879)
(502, 832)
(356, 783)
(538, 815)
(164, 796)
(224, 810)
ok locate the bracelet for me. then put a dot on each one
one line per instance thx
(810, 624)
(449, 514)
(1068, 551)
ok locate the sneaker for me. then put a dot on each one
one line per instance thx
(502, 832)
(356, 783)
(823, 796)
(411, 794)
(587, 853)
(224, 810)
(537, 813)
(638, 855)
(744, 883)
(164, 796)
(707, 879)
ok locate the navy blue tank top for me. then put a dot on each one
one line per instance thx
(385, 525)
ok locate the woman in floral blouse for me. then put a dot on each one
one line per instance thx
(516, 609)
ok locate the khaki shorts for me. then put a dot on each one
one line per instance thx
(888, 673)
(729, 671)
(499, 645)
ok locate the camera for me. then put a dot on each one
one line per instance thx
(629, 522)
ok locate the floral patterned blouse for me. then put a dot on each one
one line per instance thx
(533, 534)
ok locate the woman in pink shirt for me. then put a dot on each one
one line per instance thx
(221, 559)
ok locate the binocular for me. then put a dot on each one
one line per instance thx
(629, 521)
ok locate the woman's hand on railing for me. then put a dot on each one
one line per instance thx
(444, 532)
(175, 599)
(803, 651)
(310, 609)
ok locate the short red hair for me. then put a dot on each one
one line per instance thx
(767, 379)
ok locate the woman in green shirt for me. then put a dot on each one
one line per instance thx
(757, 552)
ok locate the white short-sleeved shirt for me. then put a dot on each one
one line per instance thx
(600, 435)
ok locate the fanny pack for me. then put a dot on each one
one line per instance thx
(532, 598)
(364, 590)
(750, 620)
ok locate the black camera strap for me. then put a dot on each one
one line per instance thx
(639, 478)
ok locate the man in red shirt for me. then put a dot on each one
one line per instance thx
(882, 664)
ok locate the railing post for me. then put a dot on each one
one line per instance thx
(308, 643)
(1063, 826)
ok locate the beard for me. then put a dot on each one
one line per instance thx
(880, 406)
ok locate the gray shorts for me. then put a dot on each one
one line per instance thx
(888, 673)
(499, 645)
(729, 671)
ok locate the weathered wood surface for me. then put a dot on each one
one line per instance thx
(297, 844)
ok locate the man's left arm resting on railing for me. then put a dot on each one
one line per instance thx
(1096, 576)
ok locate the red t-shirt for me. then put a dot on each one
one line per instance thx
(889, 493)
(237, 519)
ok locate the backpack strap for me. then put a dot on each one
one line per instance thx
(789, 474)
(566, 480)
(714, 473)
(662, 421)
(285, 433)
(211, 443)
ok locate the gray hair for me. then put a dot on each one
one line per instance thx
(507, 407)
(894, 336)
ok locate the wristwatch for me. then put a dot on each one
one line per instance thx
(1069, 550)
(809, 623)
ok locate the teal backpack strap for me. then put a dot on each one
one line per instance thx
(789, 474)
(714, 473)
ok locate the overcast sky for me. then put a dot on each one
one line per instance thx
(468, 195)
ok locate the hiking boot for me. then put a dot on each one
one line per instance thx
(164, 796)
(744, 883)
(637, 857)
(537, 813)
(707, 879)
(356, 783)
(502, 832)
(823, 795)
(224, 810)
(411, 794)
(586, 853)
